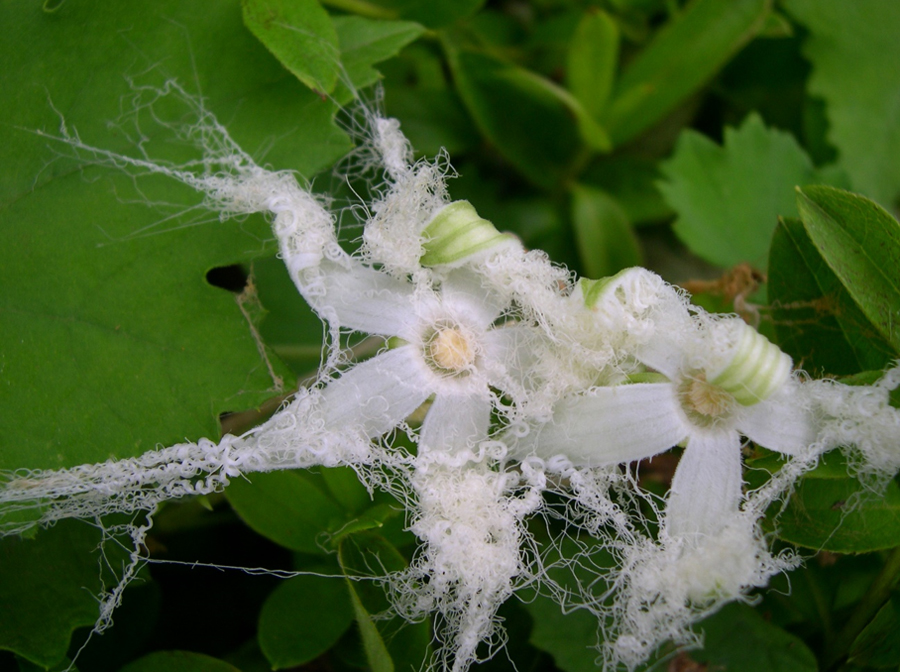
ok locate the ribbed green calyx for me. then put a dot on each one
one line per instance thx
(756, 370)
(457, 232)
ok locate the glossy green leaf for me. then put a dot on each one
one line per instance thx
(292, 508)
(860, 242)
(302, 619)
(178, 661)
(816, 321)
(301, 35)
(855, 55)
(534, 123)
(739, 639)
(606, 242)
(592, 60)
(878, 645)
(683, 56)
(364, 42)
(113, 342)
(47, 589)
(840, 515)
(728, 198)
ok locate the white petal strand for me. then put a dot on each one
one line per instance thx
(363, 299)
(377, 394)
(609, 425)
(456, 423)
(783, 423)
(464, 292)
(706, 488)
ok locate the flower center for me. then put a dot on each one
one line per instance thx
(705, 404)
(449, 350)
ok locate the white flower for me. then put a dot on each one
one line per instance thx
(720, 379)
(451, 349)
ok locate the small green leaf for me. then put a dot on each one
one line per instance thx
(301, 35)
(841, 515)
(738, 639)
(816, 320)
(178, 661)
(47, 589)
(860, 242)
(606, 242)
(855, 55)
(376, 652)
(289, 507)
(364, 42)
(388, 643)
(592, 60)
(728, 198)
(682, 57)
(878, 645)
(302, 619)
(535, 124)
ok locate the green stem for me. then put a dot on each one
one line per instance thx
(871, 602)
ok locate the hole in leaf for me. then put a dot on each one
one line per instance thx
(233, 278)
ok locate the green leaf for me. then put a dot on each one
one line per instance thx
(178, 661)
(290, 327)
(860, 242)
(571, 638)
(113, 341)
(878, 645)
(392, 643)
(728, 198)
(606, 242)
(301, 35)
(47, 589)
(534, 123)
(302, 619)
(816, 320)
(681, 58)
(592, 60)
(855, 54)
(738, 639)
(289, 507)
(632, 181)
(364, 42)
(377, 655)
(841, 515)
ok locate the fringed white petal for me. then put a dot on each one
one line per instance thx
(363, 299)
(706, 489)
(510, 354)
(610, 425)
(784, 422)
(456, 423)
(465, 293)
(377, 394)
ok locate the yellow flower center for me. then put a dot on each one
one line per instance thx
(705, 404)
(450, 350)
